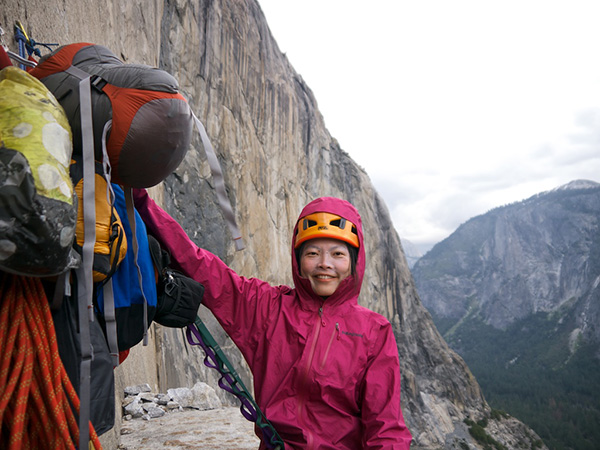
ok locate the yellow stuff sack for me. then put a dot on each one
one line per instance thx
(37, 212)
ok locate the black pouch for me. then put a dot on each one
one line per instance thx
(178, 300)
(179, 297)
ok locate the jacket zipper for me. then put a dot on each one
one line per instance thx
(311, 355)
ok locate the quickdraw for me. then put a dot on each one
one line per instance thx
(27, 46)
(198, 334)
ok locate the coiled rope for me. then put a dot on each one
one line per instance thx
(37, 399)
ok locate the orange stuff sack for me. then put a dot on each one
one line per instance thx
(110, 246)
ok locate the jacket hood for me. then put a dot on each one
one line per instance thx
(350, 287)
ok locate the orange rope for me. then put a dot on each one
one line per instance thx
(37, 398)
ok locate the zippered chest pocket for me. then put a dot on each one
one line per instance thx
(342, 357)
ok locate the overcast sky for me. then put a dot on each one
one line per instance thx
(452, 107)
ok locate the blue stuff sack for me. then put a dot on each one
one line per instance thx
(128, 297)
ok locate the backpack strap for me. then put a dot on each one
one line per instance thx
(61, 287)
(217, 174)
(131, 217)
(84, 272)
(110, 318)
(110, 315)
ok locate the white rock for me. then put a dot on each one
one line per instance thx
(205, 397)
(183, 396)
(134, 409)
(147, 396)
(135, 390)
(155, 412)
(162, 399)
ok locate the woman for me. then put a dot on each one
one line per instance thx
(326, 370)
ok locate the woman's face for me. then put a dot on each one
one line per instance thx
(326, 263)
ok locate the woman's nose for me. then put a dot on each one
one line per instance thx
(325, 260)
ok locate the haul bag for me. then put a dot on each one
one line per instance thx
(150, 123)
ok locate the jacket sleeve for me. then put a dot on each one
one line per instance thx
(241, 305)
(382, 419)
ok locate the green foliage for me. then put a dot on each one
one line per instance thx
(443, 324)
(529, 372)
(477, 430)
(537, 444)
(498, 414)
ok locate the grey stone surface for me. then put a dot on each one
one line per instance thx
(222, 429)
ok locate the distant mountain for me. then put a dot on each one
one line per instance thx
(411, 251)
(516, 293)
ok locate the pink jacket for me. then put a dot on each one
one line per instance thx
(326, 373)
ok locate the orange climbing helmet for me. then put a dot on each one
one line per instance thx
(326, 225)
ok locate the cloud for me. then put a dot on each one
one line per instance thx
(586, 137)
(427, 206)
(453, 108)
(427, 211)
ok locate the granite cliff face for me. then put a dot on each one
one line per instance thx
(276, 155)
(532, 256)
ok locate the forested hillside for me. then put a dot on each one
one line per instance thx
(515, 293)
